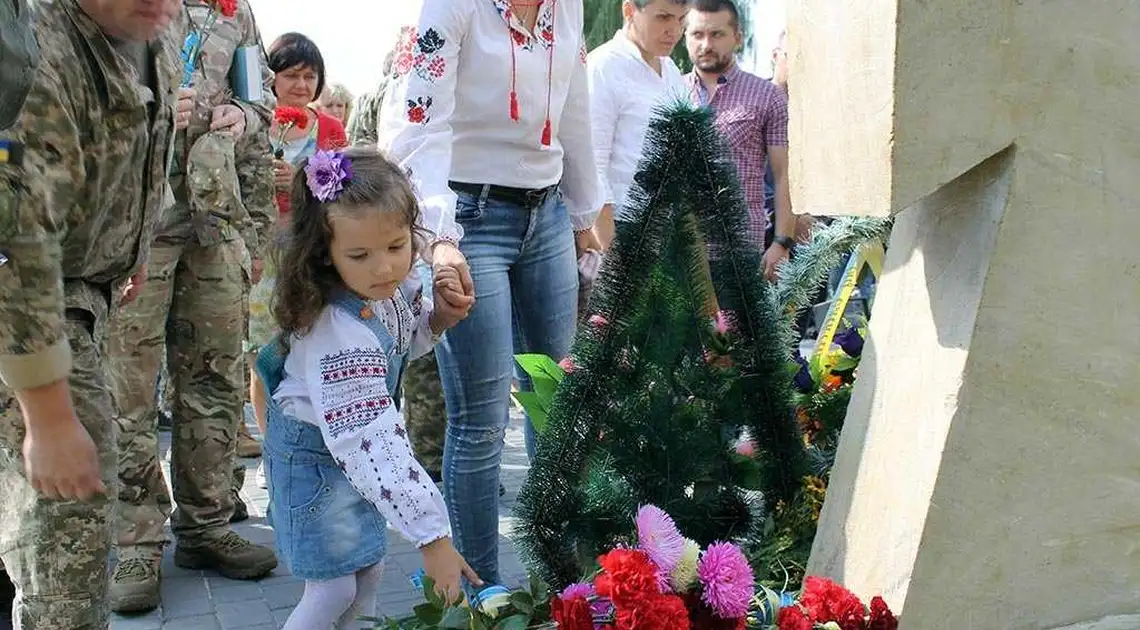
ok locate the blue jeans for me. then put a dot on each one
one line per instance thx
(524, 266)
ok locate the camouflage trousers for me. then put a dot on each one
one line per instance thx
(56, 551)
(425, 412)
(193, 306)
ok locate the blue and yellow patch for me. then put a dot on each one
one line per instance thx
(11, 152)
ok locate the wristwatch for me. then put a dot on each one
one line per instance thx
(787, 242)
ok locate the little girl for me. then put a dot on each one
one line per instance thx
(351, 312)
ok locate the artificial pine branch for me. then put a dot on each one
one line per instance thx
(650, 412)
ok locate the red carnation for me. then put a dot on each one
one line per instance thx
(286, 116)
(227, 8)
(881, 616)
(793, 618)
(827, 601)
(572, 614)
(660, 612)
(628, 578)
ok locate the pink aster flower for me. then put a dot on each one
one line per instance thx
(658, 537)
(722, 323)
(726, 580)
(585, 590)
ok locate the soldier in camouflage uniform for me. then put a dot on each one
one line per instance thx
(82, 182)
(364, 121)
(205, 255)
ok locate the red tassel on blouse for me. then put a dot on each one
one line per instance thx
(514, 106)
(546, 134)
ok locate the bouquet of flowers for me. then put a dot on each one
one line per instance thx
(665, 582)
(287, 119)
(825, 605)
(196, 39)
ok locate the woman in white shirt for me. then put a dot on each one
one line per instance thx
(630, 75)
(488, 111)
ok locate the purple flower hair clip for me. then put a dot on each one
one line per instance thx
(327, 172)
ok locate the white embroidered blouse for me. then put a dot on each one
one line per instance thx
(336, 378)
(449, 113)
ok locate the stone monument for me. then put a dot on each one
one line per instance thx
(989, 470)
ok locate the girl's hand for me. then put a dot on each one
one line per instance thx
(282, 174)
(444, 565)
(451, 303)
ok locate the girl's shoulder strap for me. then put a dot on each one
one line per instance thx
(363, 312)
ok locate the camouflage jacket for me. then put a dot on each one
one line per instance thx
(365, 118)
(82, 182)
(253, 214)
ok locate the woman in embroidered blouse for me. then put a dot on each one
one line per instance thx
(298, 76)
(488, 111)
(352, 309)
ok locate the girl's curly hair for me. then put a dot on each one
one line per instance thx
(306, 278)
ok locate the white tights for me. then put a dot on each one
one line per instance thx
(337, 604)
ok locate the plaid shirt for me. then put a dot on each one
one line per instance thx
(752, 115)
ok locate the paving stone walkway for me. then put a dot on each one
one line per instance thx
(197, 600)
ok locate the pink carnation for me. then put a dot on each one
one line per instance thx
(726, 580)
(567, 364)
(598, 320)
(746, 448)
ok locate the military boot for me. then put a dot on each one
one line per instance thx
(135, 583)
(230, 555)
(241, 510)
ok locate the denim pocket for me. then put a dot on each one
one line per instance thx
(468, 208)
(310, 493)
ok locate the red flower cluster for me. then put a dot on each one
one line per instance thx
(227, 8)
(572, 614)
(291, 116)
(629, 580)
(824, 601)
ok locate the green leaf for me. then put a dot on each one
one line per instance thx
(428, 614)
(456, 619)
(514, 622)
(535, 408)
(539, 589)
(430, 595)
(540, 366)
(523, 602)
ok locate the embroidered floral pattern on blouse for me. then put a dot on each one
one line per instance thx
(582, 54)
(419, 110)
(544, 27)
(350, 382)
(420, 53)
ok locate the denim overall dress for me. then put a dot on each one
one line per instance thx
(325, 529)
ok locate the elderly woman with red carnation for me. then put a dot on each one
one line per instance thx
(298, 132)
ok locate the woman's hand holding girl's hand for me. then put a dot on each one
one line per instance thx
(282, 174)
(444, 565)
(452, 304)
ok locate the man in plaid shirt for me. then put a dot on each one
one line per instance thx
(750, 112)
